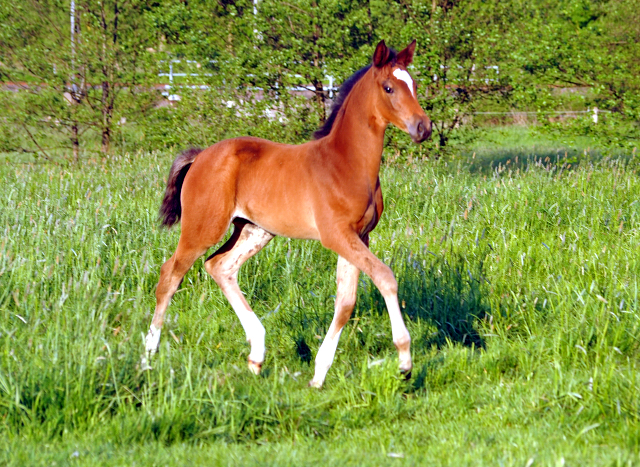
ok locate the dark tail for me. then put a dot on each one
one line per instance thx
(171, 209)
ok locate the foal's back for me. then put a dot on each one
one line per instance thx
(271, 184)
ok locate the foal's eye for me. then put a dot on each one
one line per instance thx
(388, 90)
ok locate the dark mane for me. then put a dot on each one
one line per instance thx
(344, 91)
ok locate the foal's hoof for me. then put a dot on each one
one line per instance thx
(144, 364)
(255, 367)
(406, 374)
(315, 384)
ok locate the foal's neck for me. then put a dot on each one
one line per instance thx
(357, 137)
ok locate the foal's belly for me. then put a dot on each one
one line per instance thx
(281, 219)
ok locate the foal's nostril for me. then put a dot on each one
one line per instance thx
(420, 129)
(426, 130)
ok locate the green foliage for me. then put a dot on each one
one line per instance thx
(78, 82)
(587, 45)
(302, 43)
(279, 58)
(203, 117)
(613, 131)
(461, 46)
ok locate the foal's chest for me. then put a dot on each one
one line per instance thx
(371, 216)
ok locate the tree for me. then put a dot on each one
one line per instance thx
(462, 57)
(592, 46)
(261, 52)
(302, 43)
(84, 63)
(114, 54)
(35, 50)
(586, 43)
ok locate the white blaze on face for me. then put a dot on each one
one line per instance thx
(402, 75)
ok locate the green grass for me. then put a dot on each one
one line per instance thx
(515, 144)
(519, 286)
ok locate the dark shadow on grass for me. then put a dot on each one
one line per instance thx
(446, 292)
(303, 350)
(548, 158)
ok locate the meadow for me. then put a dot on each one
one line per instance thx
(518, 277)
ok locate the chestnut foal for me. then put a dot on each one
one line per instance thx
(327, 189)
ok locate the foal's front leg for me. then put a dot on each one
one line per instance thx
(347, 288)
(350, 246)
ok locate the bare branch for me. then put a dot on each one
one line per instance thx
(44, 153)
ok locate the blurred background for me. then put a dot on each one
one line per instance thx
(81, 79)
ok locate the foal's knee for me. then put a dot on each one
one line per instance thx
(346, 305)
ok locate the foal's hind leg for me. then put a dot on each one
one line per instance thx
(171, 275)
(347, 279)
(247, 239)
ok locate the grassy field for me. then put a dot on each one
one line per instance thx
(518, 279)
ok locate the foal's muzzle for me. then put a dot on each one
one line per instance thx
(419, 128)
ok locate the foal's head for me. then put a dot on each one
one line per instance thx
(395, 91)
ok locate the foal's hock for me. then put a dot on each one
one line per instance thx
(327, 189)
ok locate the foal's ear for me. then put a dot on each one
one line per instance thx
(381, 55)
(405, 57)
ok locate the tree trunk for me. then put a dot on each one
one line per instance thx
(107, 115)
(318, 87)
(75, 142)
(443, 138)
(320, 99)
(76, 92)
(109, 64)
